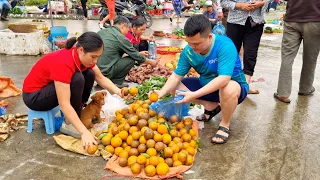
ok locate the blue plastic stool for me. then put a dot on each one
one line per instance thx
(51, 122)
(57, 33)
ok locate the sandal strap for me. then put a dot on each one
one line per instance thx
(215, 111)
(224, 129)
(224, 138)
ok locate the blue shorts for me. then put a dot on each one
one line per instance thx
(193, 84)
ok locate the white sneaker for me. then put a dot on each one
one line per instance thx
(69, 129)
(101, 26)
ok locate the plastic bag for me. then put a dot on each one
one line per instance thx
(112, 104)
(219, 29)
(169, 107)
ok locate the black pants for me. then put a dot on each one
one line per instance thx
(46, 98)
(250, 37)
(143, 46)
(84, 8)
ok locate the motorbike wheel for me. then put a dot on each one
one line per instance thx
(148, 18)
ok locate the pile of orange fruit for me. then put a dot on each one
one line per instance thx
(146, 141)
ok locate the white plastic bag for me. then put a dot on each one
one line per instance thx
(196, 111)
(112, 104)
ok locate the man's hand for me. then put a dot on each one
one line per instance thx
(220, 15)
(154, 63)
(257, 4)
(144, 53)
(188, 97)
(244, 6)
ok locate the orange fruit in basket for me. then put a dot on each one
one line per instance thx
(124, 111)
(109, 149)
(187, 121)
(175, 148)
(174, 119)
(116, 141)
(180, 145)
(123, 154)
(153, 125)
(143, 130)
(132, 160)
(123, 135)
(141, 160)
(133, 129)
(183, 131)
(150, 171)
(182, 156)
(162, 169)
(192, 132)
(124, 145)
(186, 145)
(176, 140)
(161, 160)
(186, 138)
(171, 143)
(189, 160)
(145, 106)
(152, 113)
(153, 97)
(128, 148)
(180, 125)
(119, 116)
(157, 137)
(168, 152)
(154, 160)
(177, 163)
(123, 162)
(191, 151)
(142, 140)
(129, 140)
(118, 150)
(135, 135)
(118, 112)
(162, 129)
(135, 168)
(106, 140)
(174, 133)
(166, 138)
(92, 149)
(135, 107)
(152, 152)
(169, 161)
(161, 120)
(193, 143)
(175, 157)
(133, 91)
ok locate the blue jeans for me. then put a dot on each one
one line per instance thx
(5, 4)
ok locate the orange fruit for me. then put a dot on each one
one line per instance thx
(135, 107)
(141, 160)
(153, 97)
(123, 154)
(142, 140)
(193, 143)
(189, 160)
(135, 168)
(166, 138)
(151, 152)
(119, 116)
(109, 149)
(162, 129)
(171, 143)
(131, 111)
(152, 113)
(145, 106)
(92, 149)
(182, 156)
(161, 160)
(123, 135)
(187, 121)
(180, 125)
(132, 160)
(124, 145)
(127, 148)
(154, 160)
(168, 152)
(153, 126)
(174, 133)
(106, 140)
(124, 111)
(174, 119)
(135, 135)
(116, 141)
(179, 134)
(133, 129)
(183, 131)
(180, 144)
(176, 140)
(161, 120)
(148, 162)
(151, 143)
(129, 140)
(118, 112)
(185, 145)
(191, 151)
(118, 150)
(150, 171)
(157, 137)
(133, 91)
(186, 138)
(192, 132)
(175, 148)
(162, 169)
(177, 163)
(175, 157)
(184, 151)
(143, 130)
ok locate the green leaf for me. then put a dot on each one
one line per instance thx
(146, 155)
(101, 135)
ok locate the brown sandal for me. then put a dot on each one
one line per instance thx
(281, 98)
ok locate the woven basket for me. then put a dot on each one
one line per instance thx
(22, 28)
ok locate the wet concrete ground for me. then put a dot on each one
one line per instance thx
(270, 140)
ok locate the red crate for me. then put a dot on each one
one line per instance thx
(158, 12)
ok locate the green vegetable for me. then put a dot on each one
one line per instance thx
(179, 33)
(269, 28)
(154, 83)
(101, 135)
(277, 30)
(16, 11)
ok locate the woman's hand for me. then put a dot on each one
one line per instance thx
(257, 4)
(87, 139)
(144, 53)
(244, 6)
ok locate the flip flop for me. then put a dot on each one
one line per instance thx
(307, 93)
(253, 91)
(281, 98)
(210, 113)
(224, 138)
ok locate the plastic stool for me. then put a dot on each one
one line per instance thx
(58, 33)
(49, 119)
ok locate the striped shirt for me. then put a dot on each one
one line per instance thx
(237, 16)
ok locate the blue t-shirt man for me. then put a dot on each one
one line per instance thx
(222, 60)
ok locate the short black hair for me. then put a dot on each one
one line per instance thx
(140, 21)
(121, 20)
(197, 24)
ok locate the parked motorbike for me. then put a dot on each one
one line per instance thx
(130, 10)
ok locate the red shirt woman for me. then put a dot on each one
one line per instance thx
(66, 78)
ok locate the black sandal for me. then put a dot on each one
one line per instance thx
(307, 93)
(224, 138)
(210, 113)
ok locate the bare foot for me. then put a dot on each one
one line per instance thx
(253, 91)
(221, 136)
